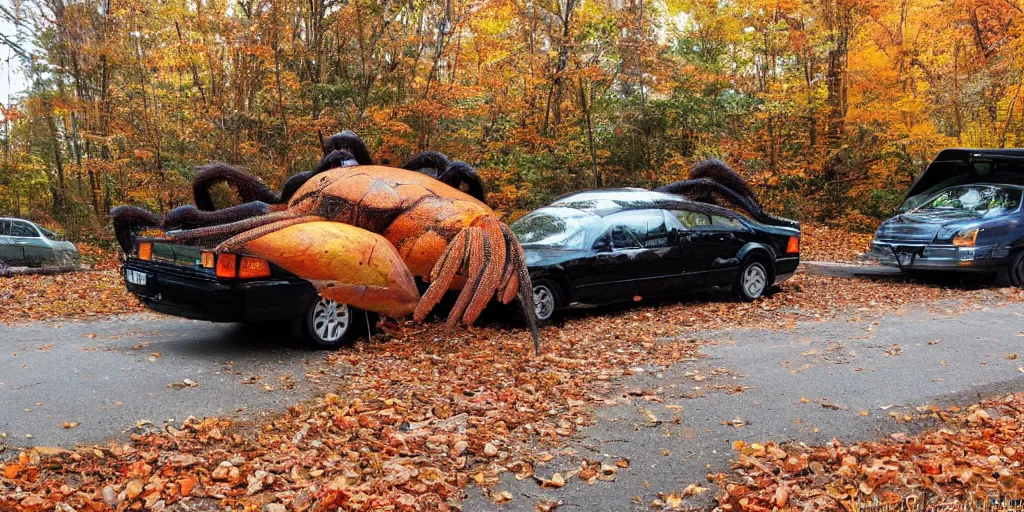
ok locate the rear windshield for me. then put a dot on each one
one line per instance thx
(980, 200)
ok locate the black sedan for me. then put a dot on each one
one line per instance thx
(189, 282)
(963, 214)
(608, 246)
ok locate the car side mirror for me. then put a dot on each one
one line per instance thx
(603, 244)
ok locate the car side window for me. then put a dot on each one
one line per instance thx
(5, 229)
(693, 220)
(623, 238)
(23, 229)
(641, 230)
(727, 223)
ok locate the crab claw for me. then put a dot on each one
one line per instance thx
(345, 263)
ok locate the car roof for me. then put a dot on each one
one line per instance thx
(610, 201)
(16, 218)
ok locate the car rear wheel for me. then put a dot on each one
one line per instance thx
(752, 280)
(1015, 272)
(547, 299)
(328, 324)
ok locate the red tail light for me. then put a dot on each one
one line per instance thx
(145, 251)
(226, 265)
(253, 267)
(793, 247)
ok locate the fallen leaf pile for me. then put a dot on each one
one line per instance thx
(813, 298)
(29, 298)
(978, 453)
(823, 243)
(97, 257)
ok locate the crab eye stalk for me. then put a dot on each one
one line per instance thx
(966, 238)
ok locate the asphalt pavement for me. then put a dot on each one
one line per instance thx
(63, 383)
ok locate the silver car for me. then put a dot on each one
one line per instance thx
(24, 243)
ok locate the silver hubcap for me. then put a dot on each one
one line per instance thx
(754, 280)
(543, 302)
(330, 320)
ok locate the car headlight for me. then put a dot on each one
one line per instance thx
(966, 238)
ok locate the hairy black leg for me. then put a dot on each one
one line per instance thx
(211, 236)
(248, 186)
(189, 217)
(335, 159)
(702, 188)
(430, 163)
(718, 171)
(463, 177)
(130, 219)
(349, 141)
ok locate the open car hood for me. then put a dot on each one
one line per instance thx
(965, 166)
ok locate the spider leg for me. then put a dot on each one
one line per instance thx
(189, 217)
(463, 177)
(249, 188)
(130, 219)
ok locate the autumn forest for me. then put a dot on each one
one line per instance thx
(830, 108)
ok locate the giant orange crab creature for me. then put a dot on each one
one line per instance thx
(361, 233)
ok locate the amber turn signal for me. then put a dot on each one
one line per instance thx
(145, 251)
(206, 259)
(793, 247)
(226, 265)
(966, 238)
(253, 267)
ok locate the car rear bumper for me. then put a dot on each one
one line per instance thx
(925, 256)
(190, 294)
(785, 268)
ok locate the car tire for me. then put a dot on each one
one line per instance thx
(547, 300)
(65, 260)
(753, 280)
(1014, 273)
(330, 325)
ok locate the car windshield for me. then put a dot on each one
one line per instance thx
(51, 235)
(561, 227)
(979, 200)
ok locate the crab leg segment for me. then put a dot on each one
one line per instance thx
(345, 263)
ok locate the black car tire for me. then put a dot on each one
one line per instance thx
(547, 300)
(753, 279)
(330, 325)
(1014, 271)
(65, 260)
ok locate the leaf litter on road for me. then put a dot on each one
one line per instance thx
(975, 452)
(420, 417)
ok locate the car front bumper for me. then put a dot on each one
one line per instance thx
(191, 294)
(928, 256)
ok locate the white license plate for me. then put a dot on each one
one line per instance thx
(135, 277)
(906, 258)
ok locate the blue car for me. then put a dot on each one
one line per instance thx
(963, 214)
